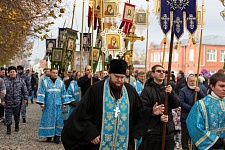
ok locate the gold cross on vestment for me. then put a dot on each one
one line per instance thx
(132, 37)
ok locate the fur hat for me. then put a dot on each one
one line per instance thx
(20, 67)
(12, 68)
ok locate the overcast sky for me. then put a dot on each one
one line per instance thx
(214, 24)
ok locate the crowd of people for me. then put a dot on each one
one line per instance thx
(116, 109)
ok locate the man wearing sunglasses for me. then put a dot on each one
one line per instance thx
(106, 116)
(153, 98)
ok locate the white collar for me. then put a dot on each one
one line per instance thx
(215, 96)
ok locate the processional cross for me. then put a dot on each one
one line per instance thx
(132, 37)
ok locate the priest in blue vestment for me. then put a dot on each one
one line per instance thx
(75, 95)
(206, 120)
(52, 97)
(107, 116)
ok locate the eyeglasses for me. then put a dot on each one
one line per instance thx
(160, 71)
(69, 72)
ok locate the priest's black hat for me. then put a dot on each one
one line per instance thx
(20, 67)
(118, 66)
(12, 68)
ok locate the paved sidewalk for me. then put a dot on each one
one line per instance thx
(27, 138)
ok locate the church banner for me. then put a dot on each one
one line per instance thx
(69, 48)
(165, 17)
(56, 59)
(50, 43)
(96, 55)
(97, 20)
(179, 8)
(191, 16)
(128, 16)
(61, 37)
(86, 41)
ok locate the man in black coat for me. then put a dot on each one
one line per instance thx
(153, 97)
(85, 82)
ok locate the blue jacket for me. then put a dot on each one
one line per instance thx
(16, 92)
(186, 97)
(26, 79)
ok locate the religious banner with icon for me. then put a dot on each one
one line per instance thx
(96, 55)
(97, 9)
(109, 9)
(56, 59)
(113, 44)
(61, 37)
(85, 60)
(128, 16)
(69, 48)
(141, 18)
(86, 41)
(178, 8)
(50, 43)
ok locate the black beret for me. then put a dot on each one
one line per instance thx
(12, 68)
(20, 67)
(118, 66)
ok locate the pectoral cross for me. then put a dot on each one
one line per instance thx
(117, 111)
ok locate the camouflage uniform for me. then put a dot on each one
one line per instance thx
(27, 81)
(16, 92)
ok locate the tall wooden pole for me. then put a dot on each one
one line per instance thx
(146, 51)
(167, 94)
(92, 37)
(199, 56)
(164, 51)
(74, 6)
(103, 54)
(82, 35)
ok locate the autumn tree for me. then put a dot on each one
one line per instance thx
(23, 20)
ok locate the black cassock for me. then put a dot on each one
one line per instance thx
(85, 122)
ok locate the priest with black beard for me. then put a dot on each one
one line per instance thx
(109, 116)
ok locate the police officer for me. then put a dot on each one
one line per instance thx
(16, 94)
(27, 81)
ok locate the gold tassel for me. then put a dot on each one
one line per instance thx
(164, 42)
(193, 40)
(176, 46)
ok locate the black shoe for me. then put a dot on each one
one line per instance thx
(32, 100)
(8, 129)
(17, 127)
(24, 120)
(48, 139)
(57, 139)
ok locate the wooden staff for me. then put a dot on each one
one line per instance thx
(74, 6)
(103, 55)
(92, 37)
(199, 56)
(82, 35)
(146, 51)
(164, 50)
(167, 95)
